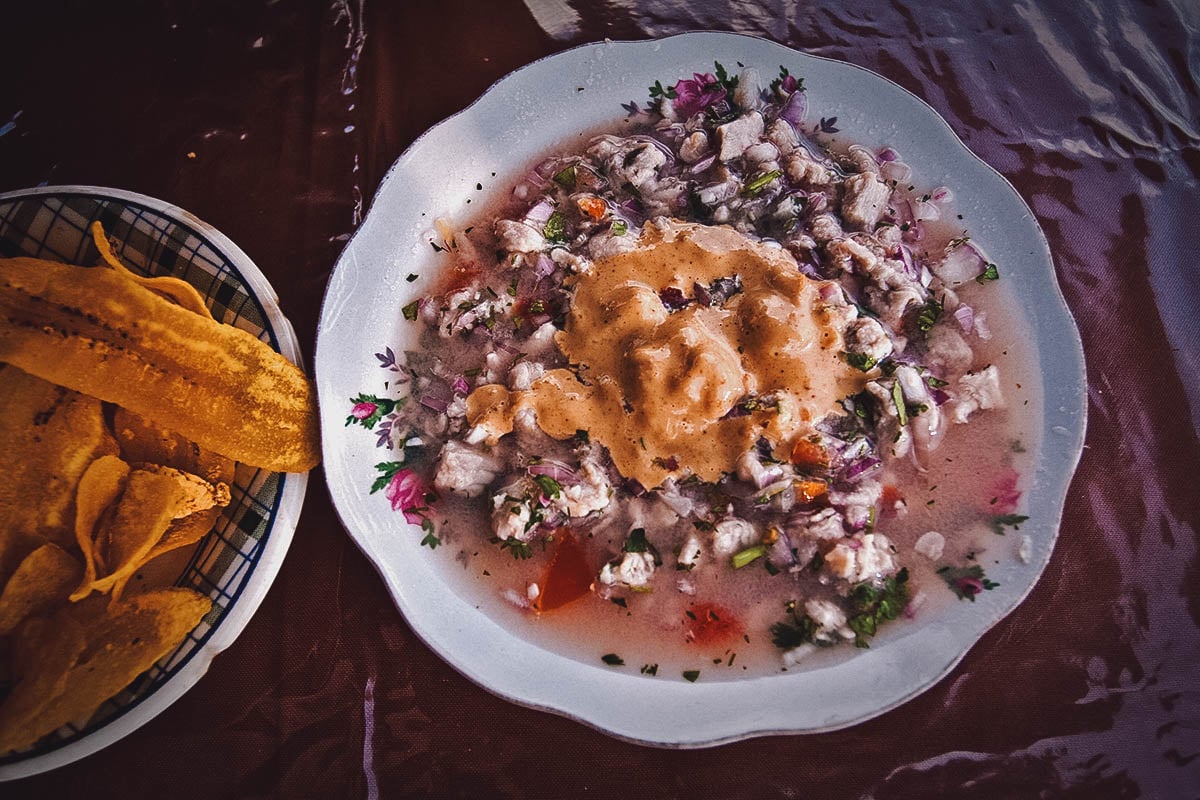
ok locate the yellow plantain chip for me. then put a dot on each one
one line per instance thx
(99, 489)
(141, 440)
(43, 580)
(95, 331)
(120, 645)
(201, 505)
(174, 289)
(46, 650)
(48, 437)
(142, 515)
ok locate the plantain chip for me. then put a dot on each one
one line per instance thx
(141, 440)
(170, 288)
(75, 669)
(48, 437)
(99, 489)
(43, 580)
(97, 332)
(45, 651)
(141, 517)
(198, 510)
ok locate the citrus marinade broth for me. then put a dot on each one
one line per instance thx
(656, 628)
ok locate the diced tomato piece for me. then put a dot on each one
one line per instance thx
(891, 495)
(808, 491)
(594, 207)
(568, 576)
(808, 454)
(708, 623)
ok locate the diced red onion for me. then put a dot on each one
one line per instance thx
(965, 316)
(540, 213)
(859, 468)
(939, 396)
(553, 469)
(679, 503)
(910, 267)
(942, 194)
(854, 544)
(702, 164)
(780, 554)
(924, 210)
(544, 266)
(896, 171)
(961, 264)
(461, 386)
(433, 403)
(886, 155)
(981, 327)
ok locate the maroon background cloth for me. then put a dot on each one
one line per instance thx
(275, 121)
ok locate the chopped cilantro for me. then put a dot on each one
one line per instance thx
(860, 361)
(555, 229)
(873, 603)
(431, 541)
(566, 177)
(410, 311)
(898, 400)
(520, 550)
(992, 273)
(755, 186)
(931, 312)
(690, 675)
(619, 227)
(650, 669)
(998, 523)
(787, 636)
(550, 487)
(966, 582)
(613, 660)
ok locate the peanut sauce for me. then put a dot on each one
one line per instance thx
(656, 387)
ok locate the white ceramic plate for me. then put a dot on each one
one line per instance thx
(548, 106)
(236, 562)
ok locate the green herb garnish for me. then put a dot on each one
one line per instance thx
(873, 603)
(555, 229)
(748, 556)
(613, 660)
(758, 184)
(992, 273)
(998, 523)
(860, 361)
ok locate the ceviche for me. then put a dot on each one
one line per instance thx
(717, 389)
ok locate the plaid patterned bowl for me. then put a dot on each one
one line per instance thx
(236, 561)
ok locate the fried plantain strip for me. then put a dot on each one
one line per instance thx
(175, 289)
(94, 331)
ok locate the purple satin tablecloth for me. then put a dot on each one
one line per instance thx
(276, 120)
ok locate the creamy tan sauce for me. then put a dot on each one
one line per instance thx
(655, 386)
